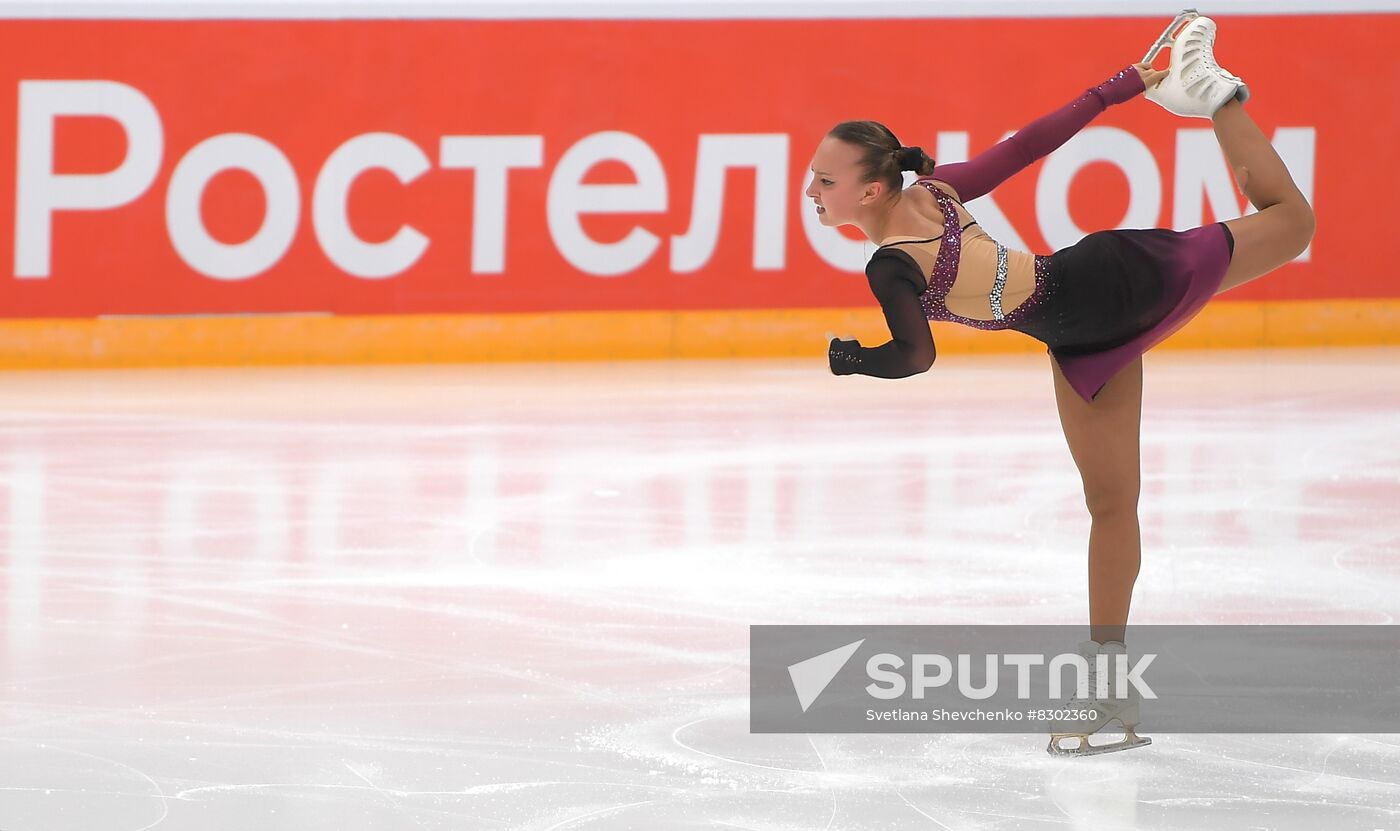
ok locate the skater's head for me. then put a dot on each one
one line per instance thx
(859, 169)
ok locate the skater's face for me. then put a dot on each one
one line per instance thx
(839, 194)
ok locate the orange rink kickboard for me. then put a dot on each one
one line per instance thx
(332, 339)
(277, 191)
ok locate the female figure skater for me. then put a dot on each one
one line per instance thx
(1097, 305)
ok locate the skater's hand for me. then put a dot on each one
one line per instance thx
(1150, 77)
(831, 351)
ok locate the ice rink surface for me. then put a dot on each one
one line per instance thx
(518, 596)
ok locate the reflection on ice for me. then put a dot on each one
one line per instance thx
(518, 596)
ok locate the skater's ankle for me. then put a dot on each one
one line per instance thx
(1229, 106)
(1102, 633)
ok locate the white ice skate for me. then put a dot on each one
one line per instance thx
(1195, 86)
(1109, 709)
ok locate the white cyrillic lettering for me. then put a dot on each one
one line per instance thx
(1097, 144)
(569, 197)
(950, 147)
(330, 205)
(232, 151)
(39, 191)
(768, 155)
(491, 157)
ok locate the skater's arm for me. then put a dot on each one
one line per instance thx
(990, 168)
(897, 285)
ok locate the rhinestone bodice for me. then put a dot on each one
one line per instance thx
(945, 272)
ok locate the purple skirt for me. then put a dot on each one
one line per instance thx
(1153, 281)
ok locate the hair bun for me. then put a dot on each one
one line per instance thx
(912, 158)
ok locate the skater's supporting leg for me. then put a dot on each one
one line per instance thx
(1103, 437)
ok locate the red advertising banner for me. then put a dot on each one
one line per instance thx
(454, 166)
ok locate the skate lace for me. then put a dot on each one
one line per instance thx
(1207, 47)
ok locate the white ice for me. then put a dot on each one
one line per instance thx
(518, 596)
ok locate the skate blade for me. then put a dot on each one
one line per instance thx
(1129, 741)
(1092, 750)
(1169, 34)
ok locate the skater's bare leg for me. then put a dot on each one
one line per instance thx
(1104, 440)
(1284, 224)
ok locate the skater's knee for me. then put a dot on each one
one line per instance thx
(1112, 499)
(1307, 223)
(1300, 224)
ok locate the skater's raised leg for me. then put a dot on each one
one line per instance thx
(1196, 86)
(1284, 224)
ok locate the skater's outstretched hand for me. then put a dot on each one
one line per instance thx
(1150, 77)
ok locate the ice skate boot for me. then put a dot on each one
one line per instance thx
(1108, 709)
(1195, 86)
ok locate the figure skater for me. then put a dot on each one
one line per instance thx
(1097, 305)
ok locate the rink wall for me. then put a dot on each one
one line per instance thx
(290, 188)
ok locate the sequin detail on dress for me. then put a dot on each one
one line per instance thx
(1000, 285)
(945, 272)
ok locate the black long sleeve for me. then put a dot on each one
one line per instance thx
(897, 283)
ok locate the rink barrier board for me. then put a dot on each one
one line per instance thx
(276, 97)
(648, 9)
(610, 335)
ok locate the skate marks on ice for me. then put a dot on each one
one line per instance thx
(958, 781)
(487, 597)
